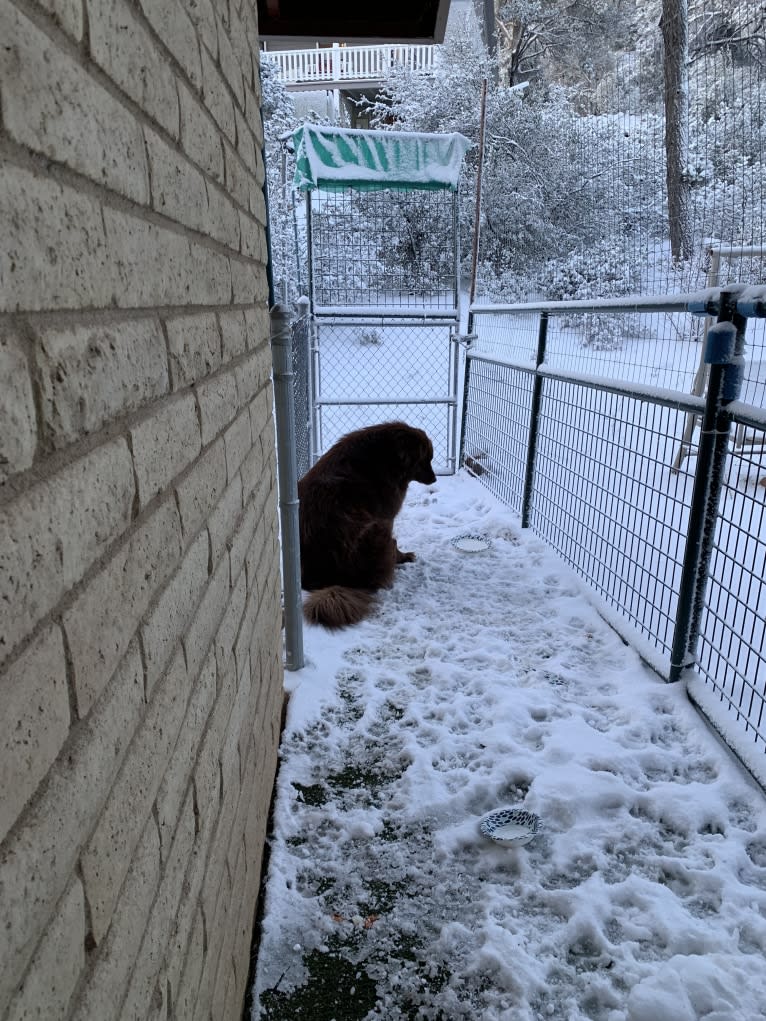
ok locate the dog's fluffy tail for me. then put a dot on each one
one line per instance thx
(337, 606)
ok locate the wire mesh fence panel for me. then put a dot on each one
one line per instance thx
(732, 654)
(496, 428)
(606, 499)
(656, 349)
(434, 419)
(376, 370)
(391, 249)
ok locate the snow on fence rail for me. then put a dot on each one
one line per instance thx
(678, 555)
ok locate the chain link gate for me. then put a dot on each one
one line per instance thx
(383, 270)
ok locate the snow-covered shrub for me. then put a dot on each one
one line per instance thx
(596, 272)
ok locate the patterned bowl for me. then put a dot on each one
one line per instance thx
(471, 543)
(512, 827)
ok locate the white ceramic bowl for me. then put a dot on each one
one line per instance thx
(471, 542)
(512, 827)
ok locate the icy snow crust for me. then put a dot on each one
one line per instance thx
(487, 682)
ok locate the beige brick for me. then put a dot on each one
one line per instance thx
(217, 97)
(232, 618)
(104, 618)
(199, 137)
(222, 221)
(207, 769)
(246, 631)
(113, 962)
(238, 441)
(202, 14)
(163, 445)
(38, 859)
(50, 535)
(246, 143)
(195, 348)
(52, 976)
(52, 105)
(152, 266)
(230, 69)
(234, 333)
(252, 374)
(107, 856)
(217, 404)
(68, 14)
(199, 491)
(125, 50)
(262, 416)
(34, 723)
(242, 537)
(207, 618)
(185, 992)
(241, 46)
(225, 977)
(76, 255)
(257, 479)
(178, 188)
(257, 200)
(223, 520)
(257, 321)
(211, 273)
(189, 913)
(166, 621)
(176, 29)
(91, 375)
(56, 235)
(246, 287)
(18, 428)
(155, 942)
(179, 772)
(237, 176)
(250, 236)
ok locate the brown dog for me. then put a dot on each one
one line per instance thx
(348, 502)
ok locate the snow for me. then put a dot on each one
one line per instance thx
(490, 681)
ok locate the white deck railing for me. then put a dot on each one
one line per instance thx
(340, 64)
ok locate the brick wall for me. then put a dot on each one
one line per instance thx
(140, 656)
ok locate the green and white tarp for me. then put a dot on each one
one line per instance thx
(333, 158)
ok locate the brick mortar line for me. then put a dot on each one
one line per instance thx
(107, 314)
(63, 175)
(81, 51)
(53, 462)
(114, 548)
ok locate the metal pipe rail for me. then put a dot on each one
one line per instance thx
(747, 301)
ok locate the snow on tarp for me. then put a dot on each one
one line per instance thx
(333, 158)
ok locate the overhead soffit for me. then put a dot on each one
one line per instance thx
(415, 21)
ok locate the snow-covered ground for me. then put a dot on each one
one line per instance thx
(485, 681)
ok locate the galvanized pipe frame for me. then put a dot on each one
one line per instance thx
(405, 316)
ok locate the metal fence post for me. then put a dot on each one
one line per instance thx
(534, 421)
(284, 407)
(466, 384)
(723, 353)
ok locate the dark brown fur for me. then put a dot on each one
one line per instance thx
(348, 502)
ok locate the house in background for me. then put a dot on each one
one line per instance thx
(330, 74)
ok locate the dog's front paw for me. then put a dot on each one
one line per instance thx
(405, 558)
